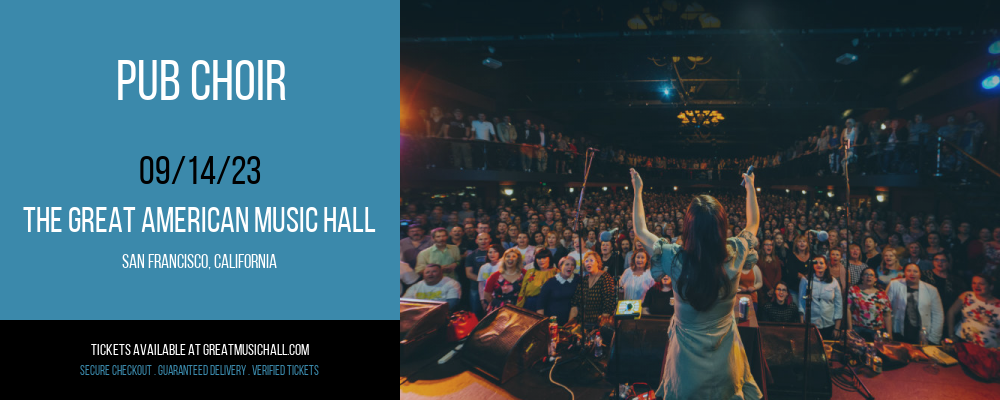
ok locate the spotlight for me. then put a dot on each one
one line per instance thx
(508, 191)
(626, 187)
(883, 126)
(571, 190)
(604, 188)
(847, 58)
(803, 192)
(991, 81)
(666, 91)
(880, 198)
(995, 47)
(829, 194)
(675, 188)
(758, 189)
(787, 191)
(492, 63)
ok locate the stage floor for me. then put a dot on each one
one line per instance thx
(454, 380)
(919, 381)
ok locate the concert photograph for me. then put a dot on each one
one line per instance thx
(699, 200)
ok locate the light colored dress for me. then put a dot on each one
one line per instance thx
(635, 287)
(705, 356)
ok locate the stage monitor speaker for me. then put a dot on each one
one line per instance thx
(507, 341)
(638, 354)
(784, 352)
(422, 323)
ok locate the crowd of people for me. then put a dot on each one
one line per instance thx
(916, 276)
(881, 146)
(890, 146)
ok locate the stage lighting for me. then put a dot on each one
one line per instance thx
(991, 81)
(883, 126)
(880, 198)
(492, 63)
(803, 192)
(508, 191)
(604, 188)
(675, 188)
(626, 187)
(847, 58)
(758, 189)
(571, 190)
(995, 47)
(787, 191)
(666, 91)
(829, 194)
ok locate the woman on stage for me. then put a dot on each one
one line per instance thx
(705, 357)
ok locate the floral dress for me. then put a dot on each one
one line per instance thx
(980, 321)
(504, 291)
(867, 310)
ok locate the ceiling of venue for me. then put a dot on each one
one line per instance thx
(623, 71)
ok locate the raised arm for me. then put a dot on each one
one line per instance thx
(753, 213)
(647, 238)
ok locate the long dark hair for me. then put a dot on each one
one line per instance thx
(827, 276)
(703, 278)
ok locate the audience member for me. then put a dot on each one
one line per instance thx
(979, 311)
(751, 279)
(913, 257)
(534, 278)
(890, 268)
(948, 284)
(916, 308)
(595, 297)
(494, 257)
(636, 280)
(837, 266)
(780, 308)
(557, 293)
(869, 306)
(827, 303)
(436, 286)
(795, 266)
(659, 299)
(553, 246)
(413, 244)
(504, 286)
(770, 268)
(441, 253)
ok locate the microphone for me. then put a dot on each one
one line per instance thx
(607, 235)
(821, 235)
(749, 171)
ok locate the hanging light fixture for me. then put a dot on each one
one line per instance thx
(700, 118)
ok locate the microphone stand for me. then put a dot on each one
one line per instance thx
(846, 313)
(808, 320)
(588, 162)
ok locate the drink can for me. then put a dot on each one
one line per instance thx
(553, 335)
(744, 305)
(877, 364)
(948, 345)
